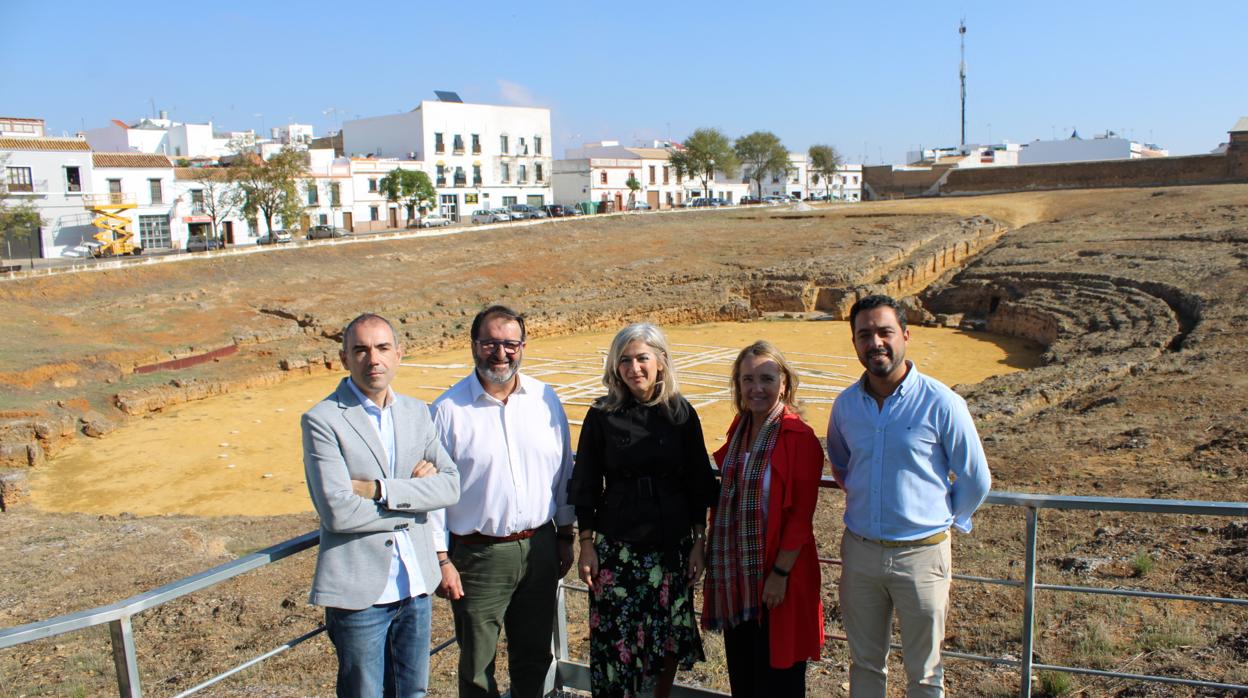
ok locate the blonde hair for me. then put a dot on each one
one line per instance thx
(766, 350)
(666, 389)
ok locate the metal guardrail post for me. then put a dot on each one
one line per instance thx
(1029, 603)
(559, 641)
(124, 659)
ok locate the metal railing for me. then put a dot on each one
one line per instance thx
(568, 673)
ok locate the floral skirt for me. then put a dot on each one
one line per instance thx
(641, 611)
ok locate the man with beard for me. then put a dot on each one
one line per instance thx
(905, 450)
(511, 531)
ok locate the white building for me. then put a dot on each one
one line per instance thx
(144, 181)
(19, 127)
(297, 135)
(481, 155)
(174, 139)
(598, 172)
(55, 174)
(845, 184)
(995, 155)
(1105, 146)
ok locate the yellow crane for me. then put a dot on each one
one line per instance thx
(115, 236)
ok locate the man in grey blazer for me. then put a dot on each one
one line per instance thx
(374, 467)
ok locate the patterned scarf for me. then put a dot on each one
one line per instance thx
(738, 535)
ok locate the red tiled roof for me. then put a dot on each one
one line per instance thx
(130, 160)
(43, 144)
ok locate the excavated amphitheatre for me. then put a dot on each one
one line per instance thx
(1137, 296)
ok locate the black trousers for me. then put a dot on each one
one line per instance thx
(749, 667)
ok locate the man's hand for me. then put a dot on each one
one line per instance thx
(424, 469)
(364, 488)
(450, 588)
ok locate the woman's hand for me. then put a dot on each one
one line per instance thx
(697, 561)
(774, 589)
(587, 566)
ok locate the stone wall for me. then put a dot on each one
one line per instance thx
(1141, 172)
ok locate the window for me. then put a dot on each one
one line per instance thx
(372, 184)
(197, 201)
(158, 196)
(509, 200)
(441, 176)
(524, 175)
(20, 179)
(476, 177)
(458, 144)
(652, 171)
(775, 178)
(154, 232)
(537, 145)
(666, 171)
(322, 219)
(537, 172)
(460, 178)
(73, 179)
(502, 145)
(374, 214)
(602, 177)
(335, 194)
(523, 149)
(679, 177)
(438, 145)
(476, 144)
(313, 195)
(504, 172)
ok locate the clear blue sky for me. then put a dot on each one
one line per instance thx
(873, 79)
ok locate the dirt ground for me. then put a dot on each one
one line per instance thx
(1137, 297)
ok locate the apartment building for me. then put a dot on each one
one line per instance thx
(144, 182)
(174, 139)
(598, 172)
(478, 155)
(845, 184)
(54, 174)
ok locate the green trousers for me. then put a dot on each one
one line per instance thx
(511, 587)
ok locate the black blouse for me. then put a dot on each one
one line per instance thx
(639, 477)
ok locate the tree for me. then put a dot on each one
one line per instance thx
(18, 219)
(762, 154)
(270, 188)
(706, 150)
(633, 187)
(825, 160)
(219, 198)
(412, 186)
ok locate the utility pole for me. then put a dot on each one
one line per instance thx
(962, 72)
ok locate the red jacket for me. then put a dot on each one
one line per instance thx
(796, 625)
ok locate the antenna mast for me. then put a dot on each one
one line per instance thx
(962, 72)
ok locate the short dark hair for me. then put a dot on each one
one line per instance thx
(361, 319)
(498, 311)
(877, 301)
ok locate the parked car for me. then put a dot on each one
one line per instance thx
(748, 200)
(699, 202)
(559, 210)
(490, 216)
(274, 237)
(525, 211)
(434, 220)
(638, 206)
(502, 215)
(720, 202)
(202, 243)
(325, 232)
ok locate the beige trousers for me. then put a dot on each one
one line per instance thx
(877, 581)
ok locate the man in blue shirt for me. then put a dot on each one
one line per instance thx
(905, 450)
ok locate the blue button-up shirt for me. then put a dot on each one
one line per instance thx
(404, 580)
(910, 468)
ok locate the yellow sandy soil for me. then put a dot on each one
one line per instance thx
(240, 453)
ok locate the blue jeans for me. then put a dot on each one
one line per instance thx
(382, 650)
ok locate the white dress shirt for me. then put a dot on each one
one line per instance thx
(404, 580)
(514, 459)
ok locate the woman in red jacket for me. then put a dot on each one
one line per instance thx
(762, 587)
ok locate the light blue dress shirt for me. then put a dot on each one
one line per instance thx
(403, 576)
(911, 468)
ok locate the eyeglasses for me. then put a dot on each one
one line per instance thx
(510, 346)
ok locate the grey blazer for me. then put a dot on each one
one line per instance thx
(357, 534)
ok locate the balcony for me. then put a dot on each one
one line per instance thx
(440, 149)
(476, 181)
(476, 149)
(458, 151)
(110, 199)
(39, 186)
(441, 182)
(461, 181)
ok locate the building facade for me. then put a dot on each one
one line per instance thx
(478, 155)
